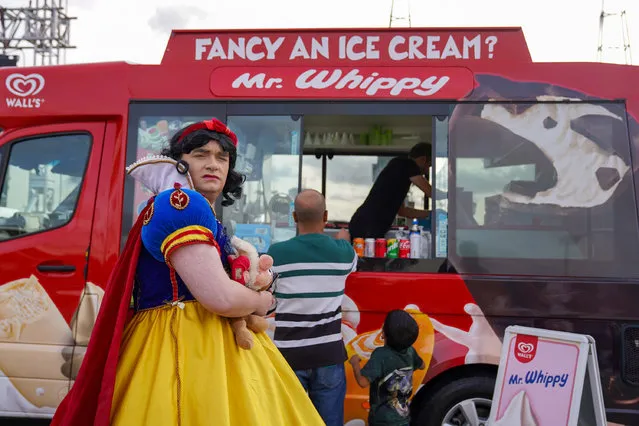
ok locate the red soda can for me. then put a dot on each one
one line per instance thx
(404, 248)
(380, 247)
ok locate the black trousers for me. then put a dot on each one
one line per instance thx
(366, 227)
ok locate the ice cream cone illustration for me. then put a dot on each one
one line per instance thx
(12, 401)
(38, 392)
(84, 318)
(82, 324)
(33, 334)
(28, 315)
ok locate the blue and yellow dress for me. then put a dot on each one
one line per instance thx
(179, 364)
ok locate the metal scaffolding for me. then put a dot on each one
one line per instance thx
(400, 11)
(40, 31)
(614, 41)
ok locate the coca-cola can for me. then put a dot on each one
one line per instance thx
(404, 248)
(380, 247)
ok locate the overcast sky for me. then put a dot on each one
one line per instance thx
(137, 30)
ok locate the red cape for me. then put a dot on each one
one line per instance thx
(89, 400)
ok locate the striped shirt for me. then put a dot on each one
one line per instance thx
(312, 272)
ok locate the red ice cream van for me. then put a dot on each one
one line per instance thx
(535, 221)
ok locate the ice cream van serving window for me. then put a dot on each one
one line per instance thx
(543, 188)
(342, 155)
(279, 152)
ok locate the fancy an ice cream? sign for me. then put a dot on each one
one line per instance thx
(344, 64)
(541, 380)
(340, 80)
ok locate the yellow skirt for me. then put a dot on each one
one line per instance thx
(182, 367)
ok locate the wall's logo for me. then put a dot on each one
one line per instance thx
(25, 87)
(525, 348)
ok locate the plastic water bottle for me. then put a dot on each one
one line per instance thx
(441, 236)
(415, 241)
(291, 209)
(400, 234)
(426, 243)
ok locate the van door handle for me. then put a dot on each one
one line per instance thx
(55, 268)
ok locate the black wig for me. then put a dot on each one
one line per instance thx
(233, 187)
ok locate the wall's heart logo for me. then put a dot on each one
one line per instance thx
(525, 348)
(25, 85)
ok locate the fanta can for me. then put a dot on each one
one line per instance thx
(358, 245)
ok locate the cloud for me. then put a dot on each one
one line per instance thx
(472, 176)
(82, 4)
(354, 170)
(167, 18)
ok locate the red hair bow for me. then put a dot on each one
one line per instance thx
(213, 125)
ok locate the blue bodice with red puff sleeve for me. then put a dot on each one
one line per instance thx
(176, 218)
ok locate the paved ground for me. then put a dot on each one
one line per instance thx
(21, 422)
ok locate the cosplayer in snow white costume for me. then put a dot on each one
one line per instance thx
(176, 361)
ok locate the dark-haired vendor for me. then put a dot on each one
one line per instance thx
(386, 198)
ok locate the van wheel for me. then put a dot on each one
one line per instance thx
(462, 402)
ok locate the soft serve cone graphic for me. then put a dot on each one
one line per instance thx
(567, 149)
(518, 413)
(482, 342)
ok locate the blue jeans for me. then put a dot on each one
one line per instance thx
(326, 386)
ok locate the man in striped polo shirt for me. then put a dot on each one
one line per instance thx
(312, 269)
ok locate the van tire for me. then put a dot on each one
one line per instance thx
(442, 400)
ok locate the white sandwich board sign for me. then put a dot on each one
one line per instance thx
(547, 378)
